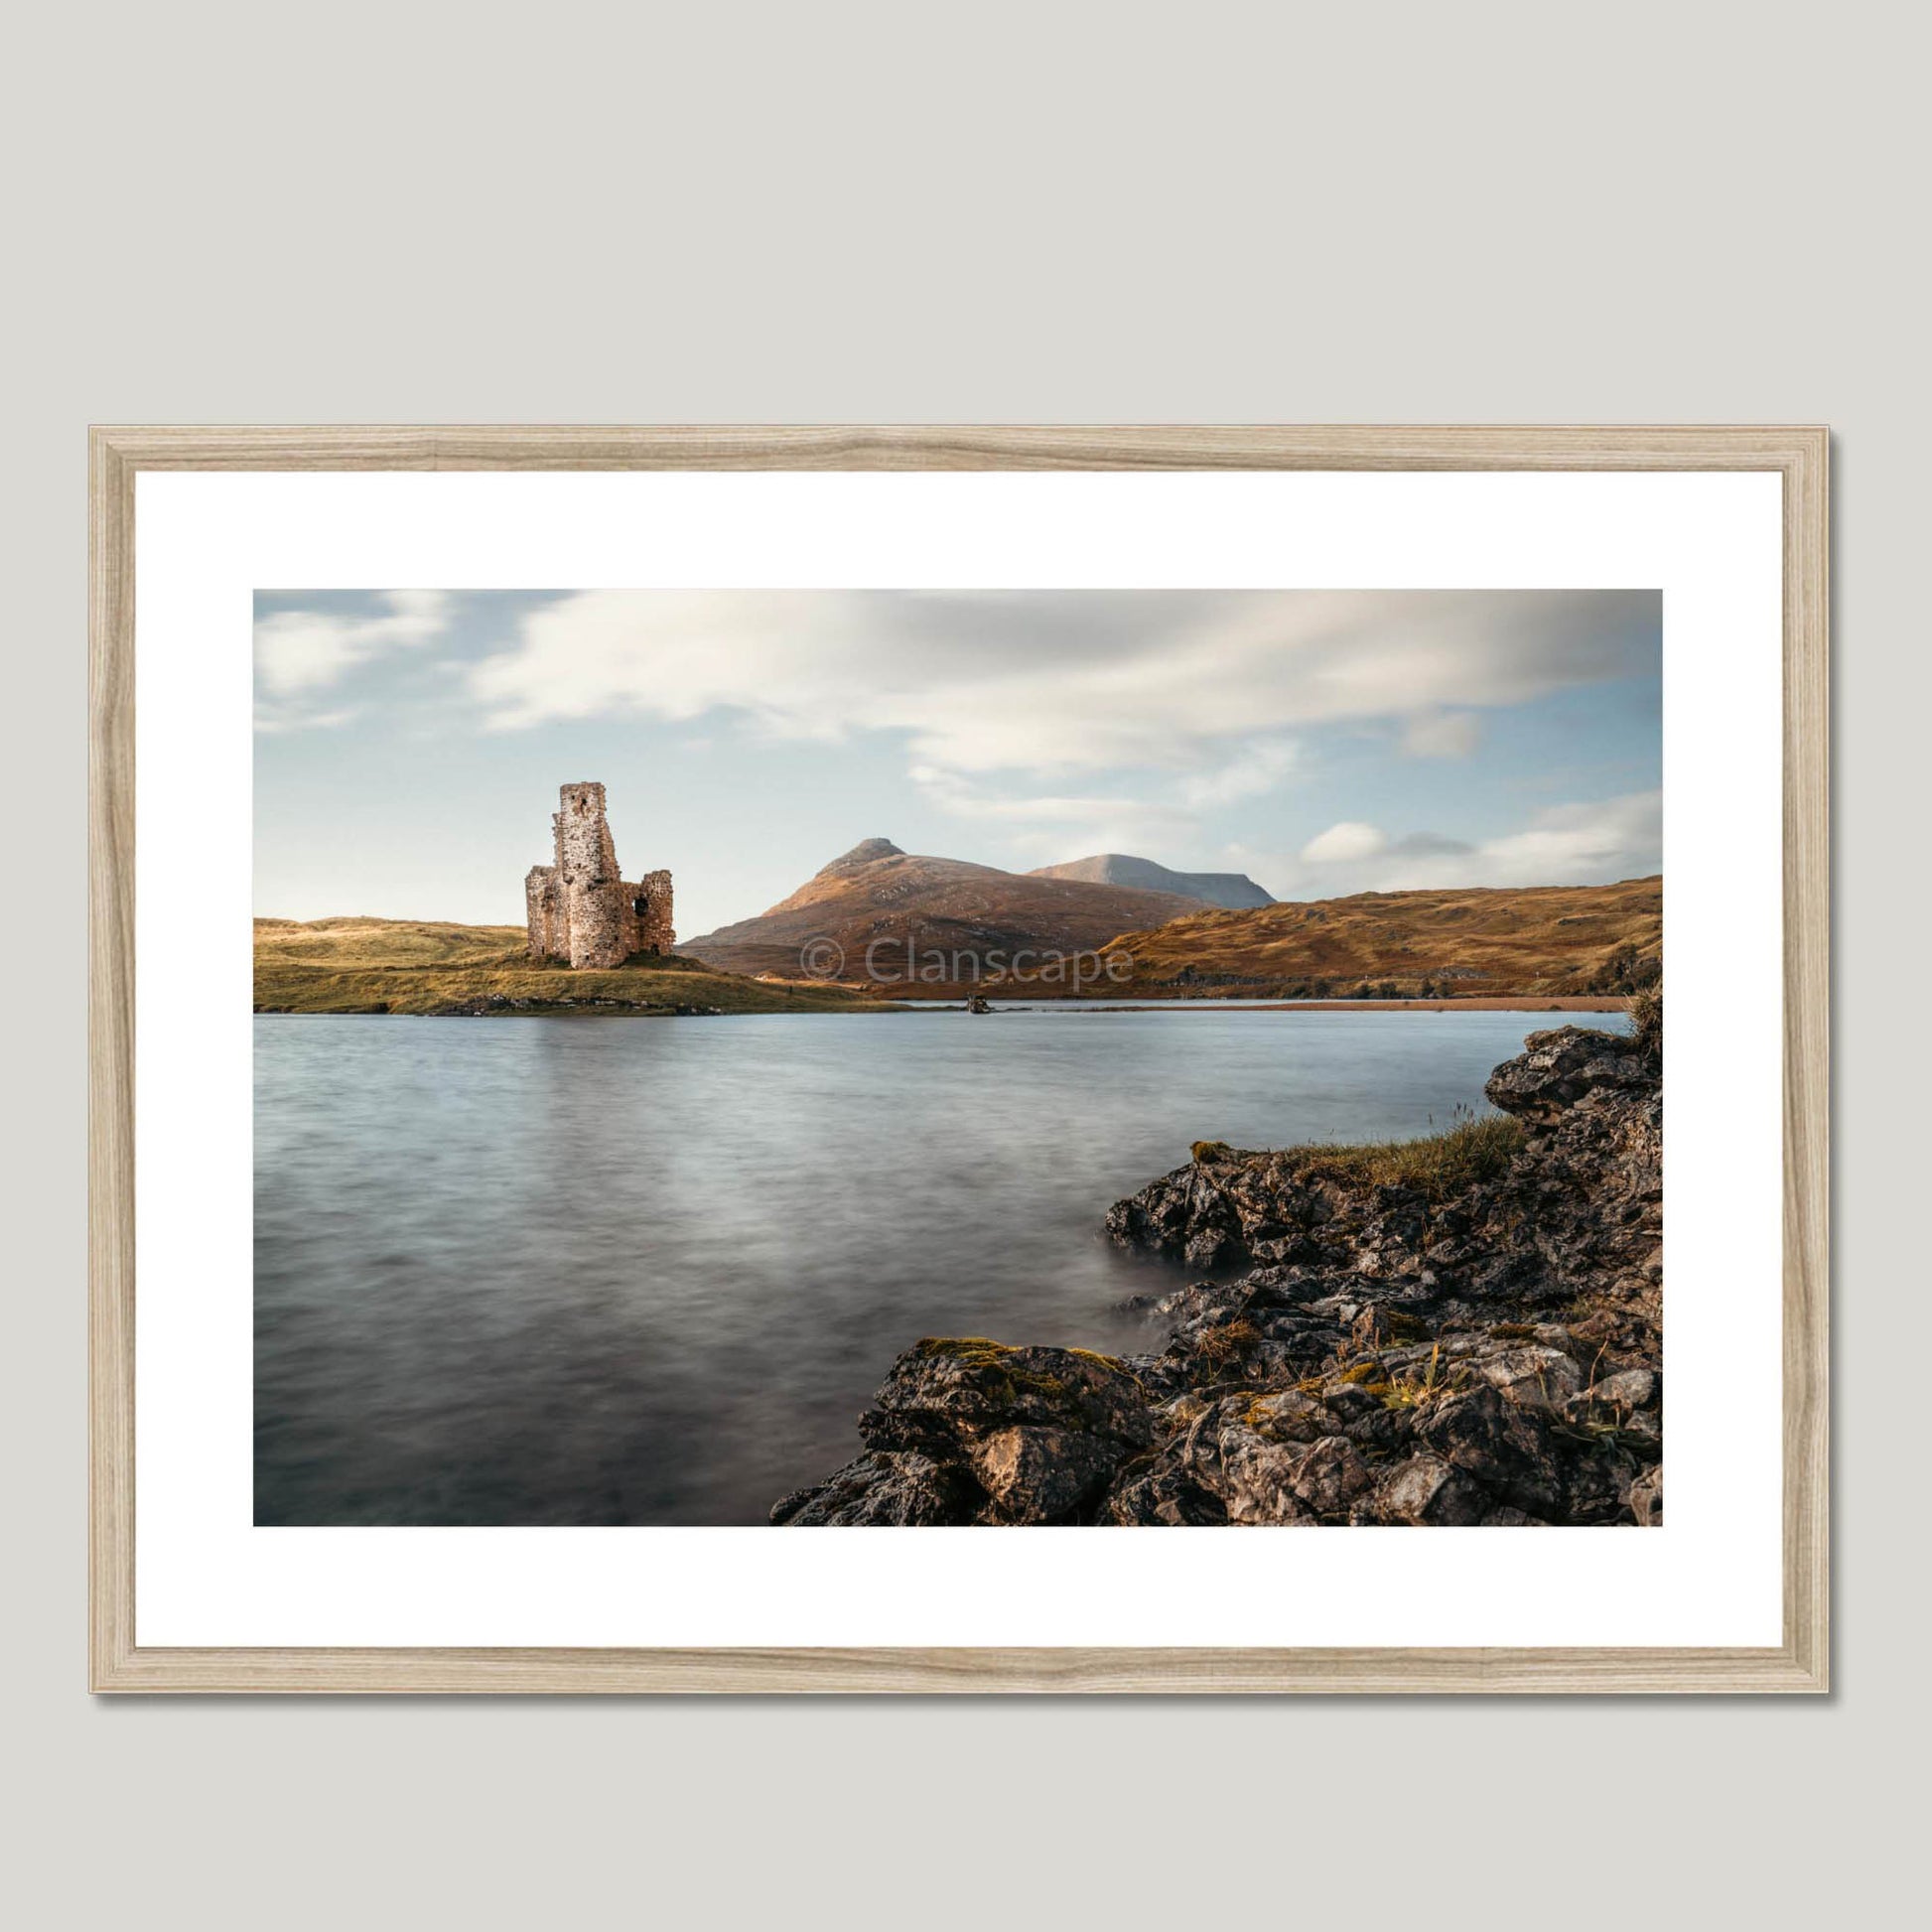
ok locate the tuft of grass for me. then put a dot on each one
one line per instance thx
(1220, 1347)
(1476, 1148)
(1414, 1391)
(1646, 1010)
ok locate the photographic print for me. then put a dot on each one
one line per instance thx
(1105, 1059)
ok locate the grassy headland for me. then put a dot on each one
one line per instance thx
(1600, 942)
(411, 966)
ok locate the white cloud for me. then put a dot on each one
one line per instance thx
(1590, 844)
(1059, 681)
(271, 720)
(1053, 825)
(1347, 841)
(1580, 845)
(1442, 734)
(298, 653)
(1167, 819)
(1244, 773)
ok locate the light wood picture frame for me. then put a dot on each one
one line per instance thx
(1799, 1663)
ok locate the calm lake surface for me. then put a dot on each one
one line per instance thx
(649, 1271)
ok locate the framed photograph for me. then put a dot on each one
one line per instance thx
(1085, 1000)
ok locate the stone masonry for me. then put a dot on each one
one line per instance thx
(579, 909)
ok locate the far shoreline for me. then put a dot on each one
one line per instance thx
(1487, 1002)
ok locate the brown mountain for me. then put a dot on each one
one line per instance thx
(1542, 939)
(878, 898)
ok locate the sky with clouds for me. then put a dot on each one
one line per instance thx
(410, 742)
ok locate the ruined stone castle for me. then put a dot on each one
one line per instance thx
(579, 909)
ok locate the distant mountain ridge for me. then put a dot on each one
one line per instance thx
(876, 896)
(1232, 890)
(880, 916)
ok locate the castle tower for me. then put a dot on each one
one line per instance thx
(587, 873)
(579, 908)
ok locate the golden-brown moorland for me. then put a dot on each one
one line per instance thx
(355, 965)
(1458, 943)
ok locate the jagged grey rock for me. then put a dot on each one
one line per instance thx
(1441, 1355)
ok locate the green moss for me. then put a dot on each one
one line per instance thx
(976, 1351)
(1112, 1362)
(1262, 1419)
(1114, 1366)
(1210, 1150)
(995, 1359)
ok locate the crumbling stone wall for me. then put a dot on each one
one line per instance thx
(650, 899)
(544, 909)
(578, 908)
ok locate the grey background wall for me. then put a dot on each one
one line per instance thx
(1034, 213)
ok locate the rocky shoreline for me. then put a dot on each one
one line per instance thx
(1461, 1331)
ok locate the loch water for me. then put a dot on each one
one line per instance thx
(648, 1271)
